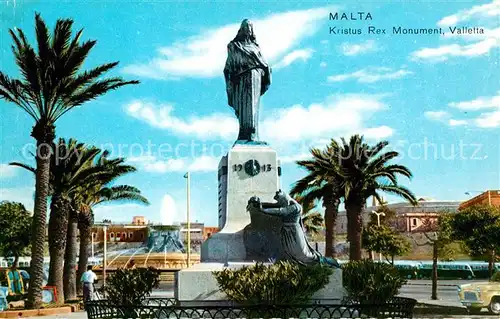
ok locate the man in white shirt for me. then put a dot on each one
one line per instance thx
(88, 279)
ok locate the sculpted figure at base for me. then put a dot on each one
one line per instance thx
(293, 238)
(247, 76)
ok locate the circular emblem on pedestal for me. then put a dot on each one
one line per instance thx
(252, 167)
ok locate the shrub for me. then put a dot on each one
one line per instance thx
(369, 282)
(129, 287)
(282, 283)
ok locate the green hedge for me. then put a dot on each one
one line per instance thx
(282, 283)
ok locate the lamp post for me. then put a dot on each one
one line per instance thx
(104, 259)
(188, 222)
(378, 224)
(92, 245)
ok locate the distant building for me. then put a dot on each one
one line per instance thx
(196, 230)
(409, 218)
(491, 197)
(139, 220)
(128, 233)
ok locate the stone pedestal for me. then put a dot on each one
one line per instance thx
(247, 170)
(196, 286)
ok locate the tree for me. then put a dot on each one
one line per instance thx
(311, 219)
(49, 87)
(15, 234)
(439, 237)
(70, 167)
(363, 171)
(383, 239)
(321, 184)
(98, 192)
(479, 228)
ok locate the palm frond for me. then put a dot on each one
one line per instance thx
(25, 166)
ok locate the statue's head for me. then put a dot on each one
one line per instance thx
(245, 32)
(282, 198)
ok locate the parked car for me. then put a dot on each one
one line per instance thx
(481, 295)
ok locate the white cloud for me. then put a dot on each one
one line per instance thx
(290, 129)
(323, 64)
(340, 113)
(303, 54)
(7, 171)
(480, 16)
(488, 120)
(150, 163)
(335, 115)
(481, 11)
(160, 116)
(371, 75)
(168, 210)
(453, 122)
(482, 102)
(444, 52)
(23, 195)
(436, 115)
(377, 132)
(351, 49)
(204, 55)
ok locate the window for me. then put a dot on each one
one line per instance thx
(414, 222)
(209, 234)
(111, 236)
(142, 236)
(124, 236)
(94, 235)
(130, 235)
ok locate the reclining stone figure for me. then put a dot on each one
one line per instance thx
(293, 239)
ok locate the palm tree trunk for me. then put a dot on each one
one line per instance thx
(434, 270)
(331, 210)
(354, 229)
(69, 278)
(39, 220)
(83, 257)
(58, 228)
(16, 262)
(491, 262)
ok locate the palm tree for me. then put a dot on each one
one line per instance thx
(50, 85)
(312, 220)
(70, 167)
(98, 192)
(321, 184)
(364, 171)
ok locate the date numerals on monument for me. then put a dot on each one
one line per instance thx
(252, 167)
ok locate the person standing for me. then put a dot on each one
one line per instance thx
(88, 279)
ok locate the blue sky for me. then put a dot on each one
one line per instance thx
(436, 98)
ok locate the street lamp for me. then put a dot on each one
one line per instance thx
(104, 259)
(92, 245)
(378, 224)
(188, 226)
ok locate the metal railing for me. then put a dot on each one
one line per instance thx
(168, 308)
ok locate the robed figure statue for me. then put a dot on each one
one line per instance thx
(247, 76)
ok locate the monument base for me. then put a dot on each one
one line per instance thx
(224, 247)
(197, 286)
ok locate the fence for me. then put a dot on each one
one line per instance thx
(168, 308)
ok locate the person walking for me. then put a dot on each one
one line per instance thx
(88, 279)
